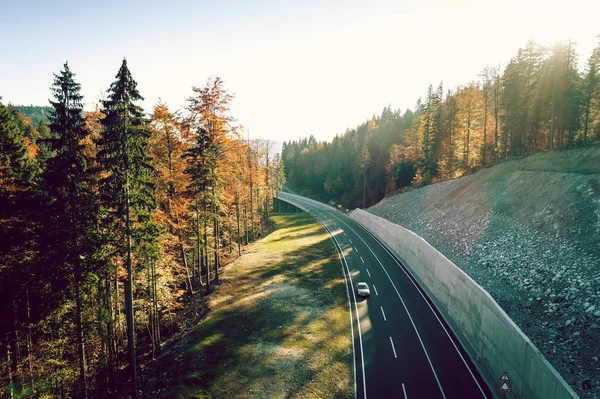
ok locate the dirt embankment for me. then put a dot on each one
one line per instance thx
(528, 231)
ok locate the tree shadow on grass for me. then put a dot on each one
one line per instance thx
(281, 330)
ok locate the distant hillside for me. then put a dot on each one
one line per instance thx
(35, 113)
(528, 231)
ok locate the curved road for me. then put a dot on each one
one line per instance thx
(402, 347)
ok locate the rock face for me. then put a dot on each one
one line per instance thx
(528, 231)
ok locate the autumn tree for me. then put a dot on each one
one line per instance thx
(209, 114)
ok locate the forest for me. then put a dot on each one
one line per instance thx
(541, 101)
(110, 221)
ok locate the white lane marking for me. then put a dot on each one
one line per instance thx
(393, 348)
(345, 233)
(375, 289)
(405, 308)
(368, 273)
(363, 261)
(383, 313)
(356, 249)
(350, 240)
(325, 207)
(426, 301)
(404, 390)
(345, 263)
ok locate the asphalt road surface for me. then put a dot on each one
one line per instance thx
(402, 347)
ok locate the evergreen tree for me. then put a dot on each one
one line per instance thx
(591, 93)
(126, 189)
(19, 211)
(71, 199)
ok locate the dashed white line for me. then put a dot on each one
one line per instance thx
(368, 273)
(422, 295)
(404, 390)
(345, 263)
(403, 305)
(383, 313)
(393, 348)
(375, 289)
(363, 261)
(356, 249)
(350, 240)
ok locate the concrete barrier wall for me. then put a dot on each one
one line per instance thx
(491, 338)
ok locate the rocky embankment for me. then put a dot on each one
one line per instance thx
(528, 231)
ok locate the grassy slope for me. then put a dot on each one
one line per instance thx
(528, 231)
(278, 326)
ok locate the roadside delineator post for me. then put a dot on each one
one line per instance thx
(504, 388)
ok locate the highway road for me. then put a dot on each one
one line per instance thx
(402, 347)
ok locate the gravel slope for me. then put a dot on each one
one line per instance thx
(528, 231)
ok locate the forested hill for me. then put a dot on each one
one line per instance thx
(108, 211)
(540, 101)
(34, 113)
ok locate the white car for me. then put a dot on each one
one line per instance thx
(363, 289)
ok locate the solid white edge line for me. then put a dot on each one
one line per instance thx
(405, 308)
(375, 289)
(404, 390)
(323, 206)
(344, 263)
(403, 304)
(393, 348)
(426, 301)
(383, 313)
(368, 273)
(342, 260)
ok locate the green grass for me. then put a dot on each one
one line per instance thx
(278, 326)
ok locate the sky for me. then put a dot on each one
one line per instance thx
(296, 68)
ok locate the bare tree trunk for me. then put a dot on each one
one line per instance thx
(485, 114)
(29, 343)
(198, 243)
(151, 312)
(216, 232)
(111, 336)
(551, 140)
(129, 296)
(80, 338)
(239, 237)
(206, 243)
(496, 107)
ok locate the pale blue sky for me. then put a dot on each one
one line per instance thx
(296, 68)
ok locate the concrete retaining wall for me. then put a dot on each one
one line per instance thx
(490, 337)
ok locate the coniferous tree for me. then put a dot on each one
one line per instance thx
(69, 183)
(591, 93)
(126, 188)
(19, 213)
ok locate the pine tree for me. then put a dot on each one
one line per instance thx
(19, 213)
(591, 92)
(126, 189)
(69, 183)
